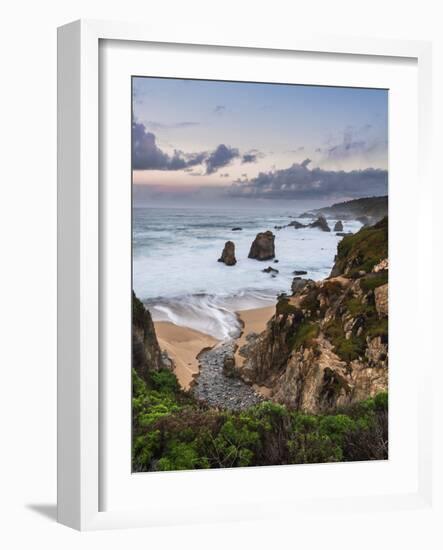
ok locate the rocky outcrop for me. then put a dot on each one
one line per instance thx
(338, 226)
(320, 223)
(263, 247)
(381, 300)
(296, 225)
(373, 208)
(299, 284)
(146, 353)
(327, 344)
(362, 251)
(228, 254)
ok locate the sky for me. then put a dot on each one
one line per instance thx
(196, 140)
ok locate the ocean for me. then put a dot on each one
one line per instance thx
(177, 276)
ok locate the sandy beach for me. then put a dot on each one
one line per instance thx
(183, 345)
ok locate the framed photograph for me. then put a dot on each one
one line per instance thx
(235, 286)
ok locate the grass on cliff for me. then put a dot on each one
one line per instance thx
(366, 319)
(171, 431)
(373, 281)
(305, 334)
(347, 349)
(283, 307)
(363, 250)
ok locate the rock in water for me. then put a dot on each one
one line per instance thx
(320, 223)
(296, 225)
(237, 229)
(228, 254)
(338, 226)
(263, 247)
(270, 270)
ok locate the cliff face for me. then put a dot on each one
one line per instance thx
(146, 353)
(327, 344)
(368, 209)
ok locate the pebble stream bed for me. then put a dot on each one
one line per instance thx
(217, 389)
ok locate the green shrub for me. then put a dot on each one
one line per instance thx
(164, 381)
(173, 432)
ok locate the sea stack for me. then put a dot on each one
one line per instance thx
(263, 248)
(228, 254)
(320, 223)
(338, 226)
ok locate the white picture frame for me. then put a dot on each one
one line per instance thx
(80, 411)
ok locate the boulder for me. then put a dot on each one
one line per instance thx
(263, 248)
(320, 223)
(237, 229)
(270, 270)
(338, 226)
(228, 254)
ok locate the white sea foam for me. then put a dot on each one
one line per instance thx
(176, 273)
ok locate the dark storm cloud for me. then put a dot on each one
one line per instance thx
(221, 156)
(146, 155)
(300, 182)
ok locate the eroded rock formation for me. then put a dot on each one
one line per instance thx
(320, 223)
(146, 353)
(263, 247)
(338, 226)
(228, 254)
